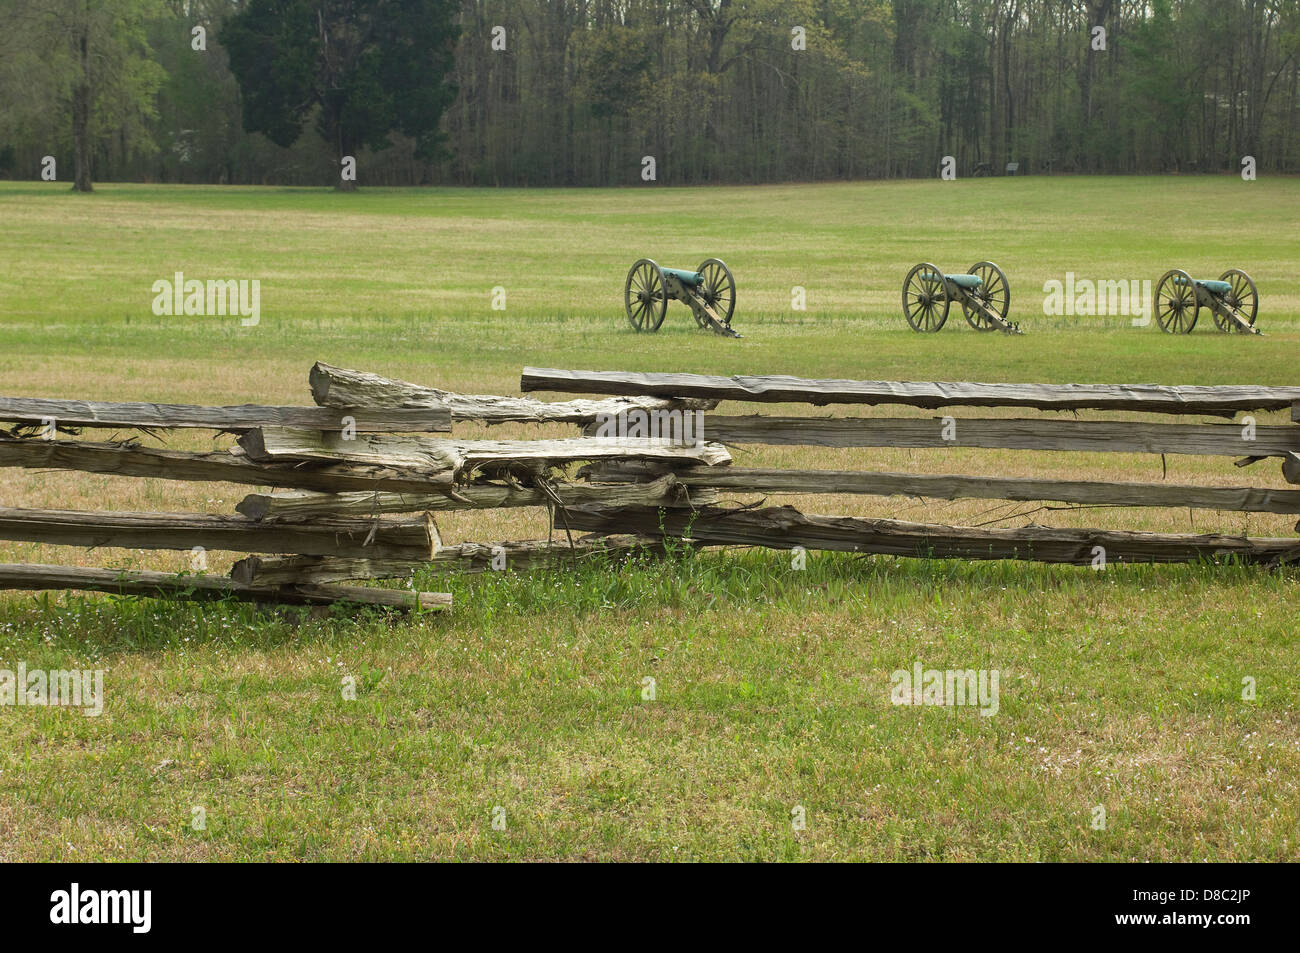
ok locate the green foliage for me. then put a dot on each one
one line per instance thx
(364, 69)
(273, 49)
(615, 76)
(580, 93)
(42, 67)
(1160, 83)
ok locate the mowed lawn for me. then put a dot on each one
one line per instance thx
(1120, 690)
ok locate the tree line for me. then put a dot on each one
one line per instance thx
(610, 92)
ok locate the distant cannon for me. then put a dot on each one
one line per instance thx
(983, 293)
(1232, 300)
(709, 291)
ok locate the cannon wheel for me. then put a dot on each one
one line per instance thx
(718, 288)
(645, 295)
(925, 298)
(1243, 297)
(1177, 302)
(993, 292)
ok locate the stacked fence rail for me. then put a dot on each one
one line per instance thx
(350, 489)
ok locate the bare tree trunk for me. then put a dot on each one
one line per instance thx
(81, 120)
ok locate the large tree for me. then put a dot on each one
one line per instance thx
(89, 61)
(364, 68)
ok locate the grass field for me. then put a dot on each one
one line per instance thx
(1120, 689)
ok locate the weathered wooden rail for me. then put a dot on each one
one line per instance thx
(340, 387)
(1224, 400)
(1089, 436)
(38, 411)
(952, 487)
(221, 466)
(656, 490)
(783, 527)
(36, 577)
(408, 539)
(463, 457)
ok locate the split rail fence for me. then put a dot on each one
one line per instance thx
(350, 489)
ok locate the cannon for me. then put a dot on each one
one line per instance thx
(709, 291)
(1231, 299)
(982, 292)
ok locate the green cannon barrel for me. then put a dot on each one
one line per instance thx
(692, 278)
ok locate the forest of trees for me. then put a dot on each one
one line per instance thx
(577, 92)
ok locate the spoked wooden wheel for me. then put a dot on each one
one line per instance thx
(1243, 297)
(718, 288)
(645, 295)
(994, 293)
(925, 298)
(1177, 302)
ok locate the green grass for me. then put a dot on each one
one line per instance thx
(1121, 689)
